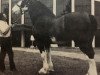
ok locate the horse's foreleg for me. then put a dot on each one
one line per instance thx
(92, 67)
(45, 67)
(50, 63)
(45, 63)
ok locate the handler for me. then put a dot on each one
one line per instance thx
(6, 43)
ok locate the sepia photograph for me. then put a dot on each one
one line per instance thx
(49, 37)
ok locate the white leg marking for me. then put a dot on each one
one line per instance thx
(92, 67)
(50, 63)
(45, 67)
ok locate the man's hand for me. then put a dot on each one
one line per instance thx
(7, 30)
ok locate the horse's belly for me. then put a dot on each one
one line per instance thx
(73, 35)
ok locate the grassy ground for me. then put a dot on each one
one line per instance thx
(29, 64)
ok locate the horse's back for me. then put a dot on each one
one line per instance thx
(79, 27)
(77, 21)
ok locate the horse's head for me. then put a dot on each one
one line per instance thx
(21, 6)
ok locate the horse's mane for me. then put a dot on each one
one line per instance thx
(37, 10)
(40, 8)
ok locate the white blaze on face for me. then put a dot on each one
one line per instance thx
(16, 8)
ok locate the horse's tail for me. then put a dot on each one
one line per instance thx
(93, 22)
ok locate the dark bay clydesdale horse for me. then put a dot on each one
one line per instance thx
(80, 27)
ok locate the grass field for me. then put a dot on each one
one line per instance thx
(29, 63)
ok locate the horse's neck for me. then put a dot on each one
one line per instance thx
(37, 9)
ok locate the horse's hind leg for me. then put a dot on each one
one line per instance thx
(88, 50)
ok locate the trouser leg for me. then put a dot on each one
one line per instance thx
(11, 57)
(7, 45)
(2, 57)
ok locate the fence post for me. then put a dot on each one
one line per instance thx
(93, 13)
(10, 4)
(0, 6)
(55, 13)
(22, 32)
(55, 7)
(73, 10)
(72, 5)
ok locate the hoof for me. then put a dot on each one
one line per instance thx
(43, 71)
(51, 69)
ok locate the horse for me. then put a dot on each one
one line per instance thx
(80, 27)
